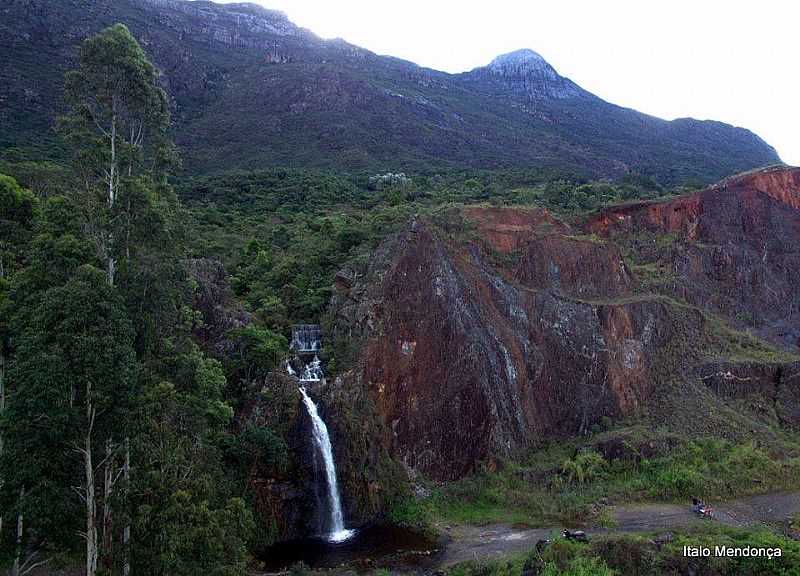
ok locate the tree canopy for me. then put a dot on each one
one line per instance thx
(113, 420)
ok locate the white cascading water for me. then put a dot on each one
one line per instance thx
(313, 371)
(322, 442)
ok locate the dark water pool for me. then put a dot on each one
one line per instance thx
(371, 547)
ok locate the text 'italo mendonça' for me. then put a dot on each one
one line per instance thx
(731, 552)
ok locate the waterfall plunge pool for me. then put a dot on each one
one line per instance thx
(341, 536)
(371, 547)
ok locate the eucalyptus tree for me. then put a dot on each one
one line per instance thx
(16, 220)
(117, 125)
(112, 400)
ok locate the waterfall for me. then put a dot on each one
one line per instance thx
(306, 338)
(313, 371)
(322, 443)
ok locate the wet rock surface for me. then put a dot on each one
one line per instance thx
(294, 498)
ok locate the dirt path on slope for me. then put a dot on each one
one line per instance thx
(481, 542)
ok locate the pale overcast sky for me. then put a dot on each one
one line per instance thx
(735, 61)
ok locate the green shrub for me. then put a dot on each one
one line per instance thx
(584, 468)
(677, 481)
(412, 513)
(580, 566)
(299, 569)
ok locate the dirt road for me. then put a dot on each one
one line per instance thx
(481, 542)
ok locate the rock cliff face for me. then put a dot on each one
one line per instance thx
(242, 25)
(475, 349)
(214, 300)
(731, 249)
(467, 366)
(291, 499)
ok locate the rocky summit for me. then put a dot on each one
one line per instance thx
(528, 72)
(249, 89)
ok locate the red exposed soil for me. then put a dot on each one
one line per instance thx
(469, 367)
(467, 360)
(506, 229)
(575, 266)
(684, 215)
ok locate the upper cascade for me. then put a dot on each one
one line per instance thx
(527, 70)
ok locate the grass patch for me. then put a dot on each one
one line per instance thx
(510, 565)
(654, 275)
(592, 238)
(570, 483)
(735, 345)
(414, 514)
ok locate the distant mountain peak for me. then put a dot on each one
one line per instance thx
(528, 71)
(518, 57)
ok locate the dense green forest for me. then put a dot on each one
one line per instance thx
(284, 234)
(118, 448)
(114, 422)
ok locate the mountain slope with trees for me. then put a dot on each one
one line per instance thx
(251, 90)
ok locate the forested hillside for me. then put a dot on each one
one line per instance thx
(251, 90)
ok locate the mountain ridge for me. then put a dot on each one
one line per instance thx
(250, 89)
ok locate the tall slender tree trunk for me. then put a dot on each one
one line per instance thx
(91, 511)
(108, 490)
(91, 504)
(18, 542)
(126, 533)
(112, 193)
(128, 227)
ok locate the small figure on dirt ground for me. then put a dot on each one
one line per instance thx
(576, 535)
(701, 508)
